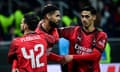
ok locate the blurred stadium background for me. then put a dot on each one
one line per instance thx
(12, 11)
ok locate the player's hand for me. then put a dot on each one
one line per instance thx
(15, 70)
(68, 58)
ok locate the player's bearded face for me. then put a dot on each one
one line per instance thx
(54, 19)
(53, 24)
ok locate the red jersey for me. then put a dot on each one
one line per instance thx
(30, 53)
(86, 48)
(52, 38)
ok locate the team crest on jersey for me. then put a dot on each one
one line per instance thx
(79, 38)
(102, 42)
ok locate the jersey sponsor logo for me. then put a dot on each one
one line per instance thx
(82, 50)
(29, 38)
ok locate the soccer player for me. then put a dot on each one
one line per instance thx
(50, 18)
(30, 50)
(86, 43)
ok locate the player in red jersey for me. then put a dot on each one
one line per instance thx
(50, 17)
(30, 50)
(86, 43)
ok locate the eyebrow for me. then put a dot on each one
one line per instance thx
(85, 15)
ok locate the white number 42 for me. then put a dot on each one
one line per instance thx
(34, 60)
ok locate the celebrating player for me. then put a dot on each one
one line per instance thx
(50, 17)
(30, 50)
(86, 43)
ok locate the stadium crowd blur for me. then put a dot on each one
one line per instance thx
(12, 11)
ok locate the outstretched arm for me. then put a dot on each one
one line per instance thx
(56, 58)
(95, 54)
(12, 59)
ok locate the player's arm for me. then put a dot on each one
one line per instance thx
(92, 56)
(12, 52)
(14, 66)
(12, 59)
(66, 32)
(55, 58)
(97, 51)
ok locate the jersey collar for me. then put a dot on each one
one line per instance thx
(89, 32)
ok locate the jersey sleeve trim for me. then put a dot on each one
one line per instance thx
(98, 49)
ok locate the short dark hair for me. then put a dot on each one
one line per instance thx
(89, 8)
(31, 19)
(49, 8)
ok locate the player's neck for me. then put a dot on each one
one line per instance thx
(46, 26)
(28, 32)
(89, 29)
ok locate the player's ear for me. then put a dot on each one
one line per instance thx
(25, 26)
(94, 17)
(48, 16)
